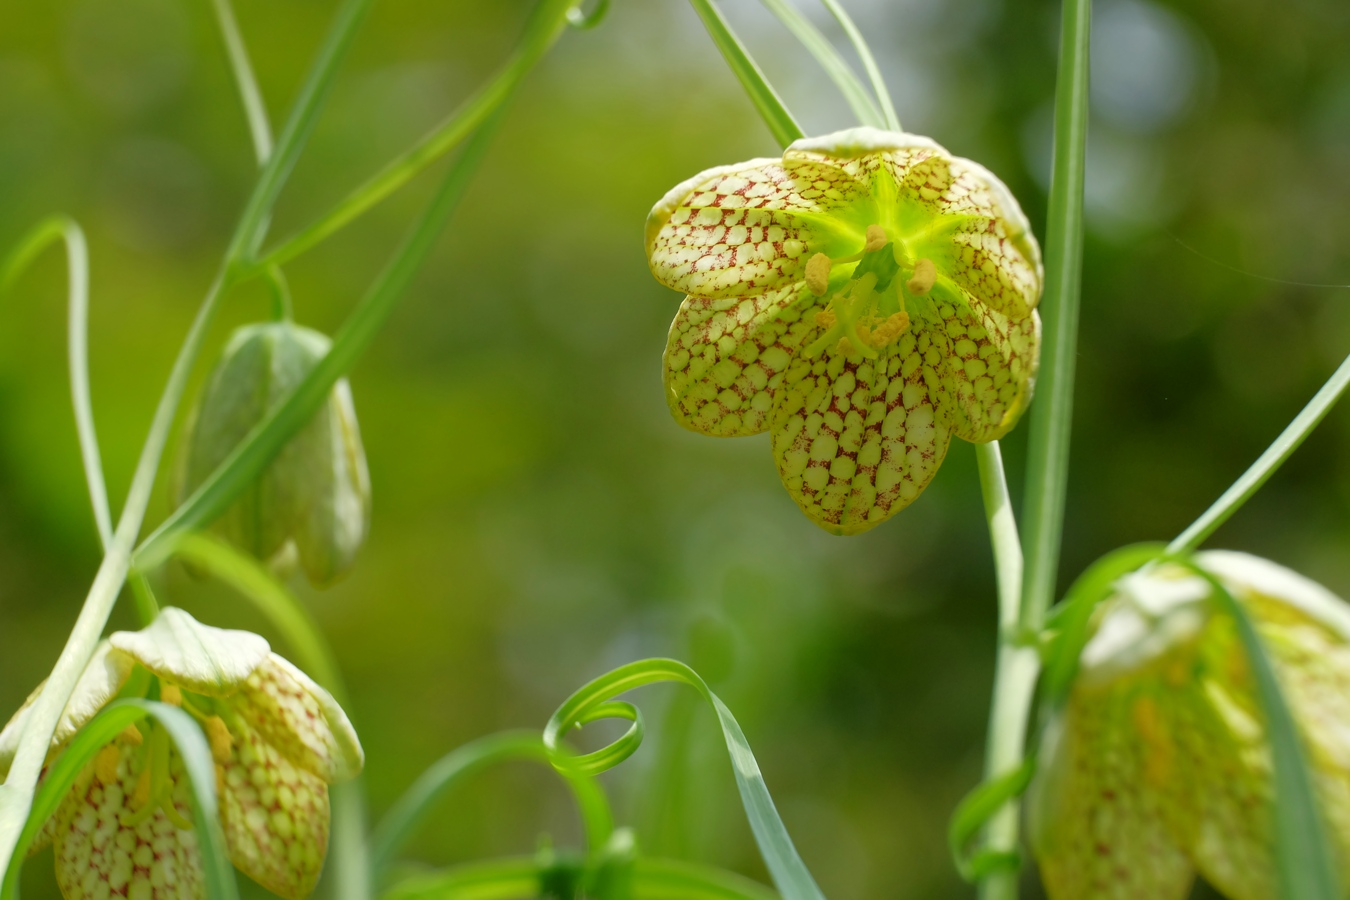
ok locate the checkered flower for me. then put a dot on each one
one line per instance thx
(864, 298)
(278, 739)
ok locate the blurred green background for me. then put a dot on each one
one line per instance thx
(539, 518)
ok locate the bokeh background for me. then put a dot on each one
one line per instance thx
(538, 516)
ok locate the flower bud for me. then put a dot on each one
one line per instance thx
(313, 501)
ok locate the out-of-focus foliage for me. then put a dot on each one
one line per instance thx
(538, 518)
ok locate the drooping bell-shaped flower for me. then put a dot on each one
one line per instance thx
(314, 499)
(1158, 766)
(864, 298)
(278, 740)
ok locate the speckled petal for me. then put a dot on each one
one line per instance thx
(725, 359)
(991, 368)
(275, 816)
(1100, 827)
(742, 230)
(857, 440)
(201, 658)
(98, 857)
(301, 720)
(949, 209)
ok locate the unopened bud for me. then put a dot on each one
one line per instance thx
(315, 496)
(925, 276)
(818, 274)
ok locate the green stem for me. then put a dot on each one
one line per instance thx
(545, 26)
(16, 794)
(1051, 414)
(868, 60)
(767, 103)
(834, 65)
(255, 111)
(1016, 669)
(1267, 463)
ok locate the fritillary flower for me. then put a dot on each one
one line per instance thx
(1158, 767)
(278, 740)
(864, 298)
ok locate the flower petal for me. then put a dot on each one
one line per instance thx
(857, 440)
(301, 720)
(990, 369)
(724, 359)
(1098, 806)
(946, 208)
(275, 816)
(103, 677)
(742, 230)
(201, 658)
(97, 856)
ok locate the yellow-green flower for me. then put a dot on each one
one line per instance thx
(1158, 767)
(278, 739)
(864, 298)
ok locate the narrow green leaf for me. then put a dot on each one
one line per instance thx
(255, 111)
(974, 812)
(47, 232)
(1303, 856)
(463, 763)
(784, 128)
(201, 770)
(1052, 411)
(595, 701)
(252, 456)
(834, 65)
(1267, 463)
(545, 25)
(869, 62)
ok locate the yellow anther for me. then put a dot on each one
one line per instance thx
(886, 333)
(844, 347)
(222, 744)
(876, 239)
(105, 764)
(825, 319)
(131, 735)
(864, 334)
(925, 275)
(818, 274)
(141, 796)
(171, 695)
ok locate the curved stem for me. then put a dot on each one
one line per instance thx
(1267, 463)
(545, 26)
(255, 111)
(868, 60)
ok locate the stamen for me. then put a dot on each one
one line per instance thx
(818, 274)
(222, 744)
(894, 326)
(131, 735)
(171, 694)
(925, 275)
(876, 239)
(825, 319)
(140, 798)
(105, 764)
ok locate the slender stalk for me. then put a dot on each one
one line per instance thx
(868, 60)
(1051, 414)
(767, 103)
(16, 794)
(834, 65)
(254, 108)
(1267, 463)
(1016, 668)
(545, 26)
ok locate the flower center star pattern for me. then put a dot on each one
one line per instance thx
(864, 298)
(277, 738)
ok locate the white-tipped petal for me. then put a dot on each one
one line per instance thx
(201, 658)
(300, 719)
